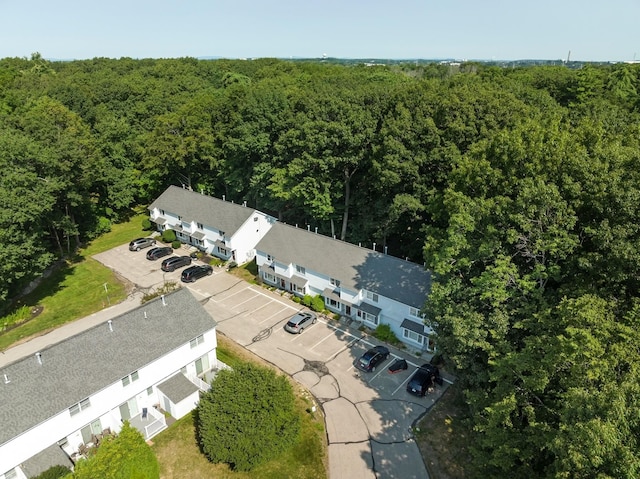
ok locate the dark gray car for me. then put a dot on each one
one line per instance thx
(140, 243)
(175, 262)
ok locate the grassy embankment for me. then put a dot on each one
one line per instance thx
(77, 289)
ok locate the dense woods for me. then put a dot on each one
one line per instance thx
(518, 187)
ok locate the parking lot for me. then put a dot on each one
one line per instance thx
(368, 415)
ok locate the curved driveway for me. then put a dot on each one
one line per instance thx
(368, 416)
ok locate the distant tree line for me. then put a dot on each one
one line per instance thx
(519, 188)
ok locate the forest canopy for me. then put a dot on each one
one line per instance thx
(518, 187)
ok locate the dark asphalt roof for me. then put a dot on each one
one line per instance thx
(355, 267)
(81, 365)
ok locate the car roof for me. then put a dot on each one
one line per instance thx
(299, 316)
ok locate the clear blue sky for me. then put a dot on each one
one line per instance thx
(593, 30)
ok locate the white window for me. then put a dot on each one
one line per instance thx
(162, 212)
(200, 226)
(270, 258)
(297, 289)
(372, 296)
(134, 376)
(335, 282)
(81, 406)
(179, 218)
(370, 318)
(300, 269)
(333, 303)
(413, 336)
(196, 341)
(415, 312)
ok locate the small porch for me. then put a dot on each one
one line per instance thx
(149, 422)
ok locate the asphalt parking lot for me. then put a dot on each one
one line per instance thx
(368, 415)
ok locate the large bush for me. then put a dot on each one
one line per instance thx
(55, 472)
(247, 418)
(168, 236)
(126, 456)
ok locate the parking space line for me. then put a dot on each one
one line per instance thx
(402, 384)
(273, 299)
(246, 300)
(233, 294)
(321, 341)
(277, 313)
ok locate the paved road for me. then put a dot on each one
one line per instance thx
(368, 416)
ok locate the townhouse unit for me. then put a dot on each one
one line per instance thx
(355, 282)
(224, 229)
(59, 403)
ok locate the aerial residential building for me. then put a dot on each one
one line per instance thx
(222, 228)
(358, 283)
(59, 403)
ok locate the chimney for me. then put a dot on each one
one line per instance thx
(6, 379)
(39, 358)
(110, 323)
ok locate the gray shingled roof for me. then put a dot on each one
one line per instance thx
(177, 388)
(46, 459)
(81, 365)
(357, 268)
(222, 215)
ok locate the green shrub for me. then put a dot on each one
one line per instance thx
(317, 303)
(232, 265)
(297, 299)
(245, 430)
(168, 236)
(55, 472)
(146, 224)
(307, 299)
(19, 316)
(383, 333)
(176, 244)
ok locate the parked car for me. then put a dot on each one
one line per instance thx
(193, 273)
(139, 243)
(370, 360)
(175, 262)
(299, 321)
(155, 253)
(425, 377)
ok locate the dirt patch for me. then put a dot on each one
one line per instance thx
(443, 437)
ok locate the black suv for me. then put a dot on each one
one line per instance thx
(424, 378)
(369, 360)
(192, 273)
(175, 262)
(139, 243)
(155, 253)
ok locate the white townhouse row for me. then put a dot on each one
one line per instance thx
(62, 401)
(359, 283)
(224, 229)
(356, 282)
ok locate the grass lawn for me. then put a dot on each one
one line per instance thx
(77, 289)
(179, 455)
